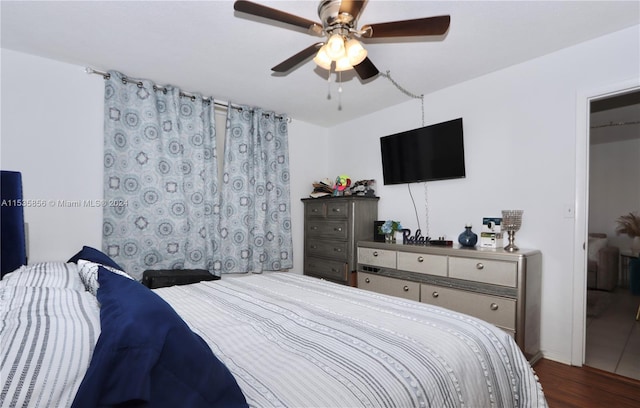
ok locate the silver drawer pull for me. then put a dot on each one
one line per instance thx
(494, 306)
(338, 229)
(314, 210)
(367, 280)
(375, 253)
(337, 249)
(313, 247)
(479, 265)
(314, 228)
(435, 294)
(335, 210)
(334, 270)
(420, 259)
(406, 288)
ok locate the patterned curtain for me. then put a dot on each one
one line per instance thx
(161, 200)
(255, 224)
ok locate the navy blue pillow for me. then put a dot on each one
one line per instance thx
(146, 355)
(91, 254)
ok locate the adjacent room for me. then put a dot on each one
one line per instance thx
(332, 203)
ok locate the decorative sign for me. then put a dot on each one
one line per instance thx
(417, 239)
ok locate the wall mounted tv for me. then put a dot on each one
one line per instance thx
(434, 152)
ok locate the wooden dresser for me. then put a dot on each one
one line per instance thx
(500, 287)
(332, 227)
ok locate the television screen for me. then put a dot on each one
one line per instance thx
(434, 152)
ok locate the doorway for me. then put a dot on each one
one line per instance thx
(599, 105)
(614, 151)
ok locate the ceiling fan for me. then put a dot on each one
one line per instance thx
(342, 49)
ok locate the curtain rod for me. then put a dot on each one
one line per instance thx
(221, 104)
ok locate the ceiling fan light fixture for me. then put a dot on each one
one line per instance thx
(322, 59)
(355, 52)
(343, 64)
(335, 47)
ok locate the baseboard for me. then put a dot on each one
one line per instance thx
(548, 355)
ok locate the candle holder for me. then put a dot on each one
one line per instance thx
(511, 222)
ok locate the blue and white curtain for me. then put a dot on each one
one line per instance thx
(160, 177)
(255, 222)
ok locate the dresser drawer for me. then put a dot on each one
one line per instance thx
(422, 263)
(337, 210)
(326, 229)
(389, 286)
(493, 309)
(325, 268)
(328, 249)
(503, 273)
(377, 257)
(314, 209)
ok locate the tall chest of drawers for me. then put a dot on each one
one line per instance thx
(500, 287)
(332, 227)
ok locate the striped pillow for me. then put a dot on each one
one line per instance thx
(46, 275)
(89, 274)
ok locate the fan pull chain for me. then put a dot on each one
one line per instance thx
(340, 91)
(329, 86)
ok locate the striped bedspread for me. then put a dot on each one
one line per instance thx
(295, 341)
(48, 328)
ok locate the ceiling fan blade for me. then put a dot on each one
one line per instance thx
(352, 7)
(259, 10)
(303, 55)
(408, 28)
(366, 69)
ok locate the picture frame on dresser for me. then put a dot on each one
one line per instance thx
(500, 287)
(332, 228)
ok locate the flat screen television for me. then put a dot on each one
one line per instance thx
(434, 152)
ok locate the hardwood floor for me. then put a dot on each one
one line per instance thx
(584, 387)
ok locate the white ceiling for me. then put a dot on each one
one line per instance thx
(206, 47)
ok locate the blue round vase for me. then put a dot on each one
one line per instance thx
(468, 238)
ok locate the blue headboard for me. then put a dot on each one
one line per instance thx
(13, 253)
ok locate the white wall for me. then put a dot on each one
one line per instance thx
(308, 151)
(520, 148)
(614, 187)
(52, 132)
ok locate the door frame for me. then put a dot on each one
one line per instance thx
(583, 113)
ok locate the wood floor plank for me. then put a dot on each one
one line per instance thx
(583, 387)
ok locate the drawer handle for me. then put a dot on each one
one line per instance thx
(338, 229)
(479, 266)
(435, 294)
(334, 270)
(314, 228)
(420, 259)
(494, 306)
(314, 210)
(375, 253)
(313, 247)
(367, 280)
(406, 288)
(337, 249)
(335, 210)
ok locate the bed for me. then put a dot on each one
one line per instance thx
(83, 333)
